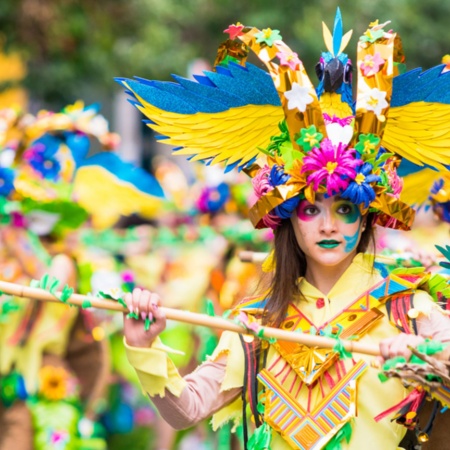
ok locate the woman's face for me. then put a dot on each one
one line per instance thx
(329, 230)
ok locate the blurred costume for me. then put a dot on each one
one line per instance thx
(52, 370)
(296, 141)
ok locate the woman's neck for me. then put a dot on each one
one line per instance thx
(325, 277)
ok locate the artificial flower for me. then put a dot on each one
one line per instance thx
(289, 59)
(278, 175)
(45, 165)
(367, 145)
(261, 182)
(330, 166)
(268, 36)
(309, 138)
(299, 97)
(53, 382)
(374, 100)
(234, 30)
(371, 64)
(359, 190)
(394, 180)
(371, 35)
(6, 181)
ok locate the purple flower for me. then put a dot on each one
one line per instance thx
(41, 162)
(330, 166)
(359, 190)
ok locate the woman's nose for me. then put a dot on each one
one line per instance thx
(328, 224)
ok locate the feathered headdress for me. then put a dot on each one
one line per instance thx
(296, 140)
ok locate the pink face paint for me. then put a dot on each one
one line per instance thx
(301, 211)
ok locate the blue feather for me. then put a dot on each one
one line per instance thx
(416, 86)
(229, 87)
(337, 32)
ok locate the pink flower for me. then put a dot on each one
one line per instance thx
(330, 166)
(371, 64)
(245, 321)
(234, 30)
(261, 182)
(261, 186)
(289, 59)
(395, 182)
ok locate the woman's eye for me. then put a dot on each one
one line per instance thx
(345, 209)
(310, 210)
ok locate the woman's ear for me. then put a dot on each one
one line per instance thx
(363, 223)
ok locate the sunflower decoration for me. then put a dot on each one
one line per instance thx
(56, 383)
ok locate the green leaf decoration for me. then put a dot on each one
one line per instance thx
(261, 438)
(66, 293)
(446, 253)
(344, 433)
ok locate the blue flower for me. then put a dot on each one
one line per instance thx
(285, 210)
(278, 176)
(49, 168)
(359, 190)
(6, 181)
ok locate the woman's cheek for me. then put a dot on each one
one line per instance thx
(352, 240)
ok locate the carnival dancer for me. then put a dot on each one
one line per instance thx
(45, 349)
(324, 170)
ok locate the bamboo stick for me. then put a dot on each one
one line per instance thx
(193, 318)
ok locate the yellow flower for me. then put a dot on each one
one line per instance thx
(53, 382)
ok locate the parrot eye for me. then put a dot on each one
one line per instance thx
(319, 70)
(348, 73)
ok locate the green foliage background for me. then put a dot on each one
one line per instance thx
(77, 47)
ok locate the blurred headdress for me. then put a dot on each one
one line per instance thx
(296, 140)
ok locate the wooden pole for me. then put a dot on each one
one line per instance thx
(192, 318)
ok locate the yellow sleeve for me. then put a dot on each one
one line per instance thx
(230, 345)
(155, 369)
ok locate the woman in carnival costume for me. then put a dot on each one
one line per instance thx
(324, 170)
(52, 370)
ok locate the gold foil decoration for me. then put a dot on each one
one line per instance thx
(389, 48)
(234, 48)
(283, 78)
(390, 207)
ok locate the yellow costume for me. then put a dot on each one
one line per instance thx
(157, 373)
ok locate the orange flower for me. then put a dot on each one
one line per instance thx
(53, 382)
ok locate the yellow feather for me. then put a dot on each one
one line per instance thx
(419, 132)
(416, 186)
(227, 136)
(328, 38)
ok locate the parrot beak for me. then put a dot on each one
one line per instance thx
(333, 75)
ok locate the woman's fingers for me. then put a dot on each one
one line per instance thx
(398, 345)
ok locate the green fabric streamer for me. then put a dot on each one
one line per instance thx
(210, 308)
(66, 293)
(261, 438)
(132, 315)
(147, 324)
(7, 307)
(389, 365)
(429, 347)
(339, 347)
(344, 433)
(86, 303)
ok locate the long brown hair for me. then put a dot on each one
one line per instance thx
(290, 264)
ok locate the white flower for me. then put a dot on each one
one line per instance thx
(298, 97)
(374, 100)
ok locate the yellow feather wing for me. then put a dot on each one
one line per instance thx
(419, 132)
(231, 136)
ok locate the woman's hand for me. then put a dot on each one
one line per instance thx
(398, 346)
(146, 305)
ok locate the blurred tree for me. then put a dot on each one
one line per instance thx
(71, 44)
